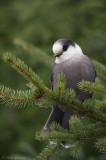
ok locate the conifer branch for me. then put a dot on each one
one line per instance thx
(47, 153)
(24, 70)
(54, 135)
(77, 139)
(46, 59)
(75, 150)
(73, 136)
(29, 98)
(101, 145)
(79, 133)
(92, 87)
(100, 104)
(77, 127)
(56, 127)
(77, 106)
(86, 132)
(10, 97)
(29, 75)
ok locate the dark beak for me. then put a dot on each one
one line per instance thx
(58, 54)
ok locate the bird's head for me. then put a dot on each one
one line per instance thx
(64, 49)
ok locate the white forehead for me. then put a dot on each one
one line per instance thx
(57, 47)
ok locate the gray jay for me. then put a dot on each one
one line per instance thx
(70, 61)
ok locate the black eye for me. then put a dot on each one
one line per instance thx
(65, 47)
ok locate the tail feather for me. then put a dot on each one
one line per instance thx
(65, 122)
(56, 115)
(61, 117)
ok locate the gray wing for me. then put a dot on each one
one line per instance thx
(56, 114)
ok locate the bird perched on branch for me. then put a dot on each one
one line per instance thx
(70, 61)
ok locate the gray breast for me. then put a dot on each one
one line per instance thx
(75, 71)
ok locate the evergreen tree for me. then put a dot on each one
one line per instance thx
(87, 134)
(41, 23)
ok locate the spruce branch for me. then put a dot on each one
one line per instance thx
(29, 75)
(12, 98)
(21, 99)
(79, 135)
(56, 127)
(47, 153)
(75, 150)
(79, 131)
(78, 106)
(46, 59)
(54, 135)
(101, 145)
(61, 91)
(100, 104)
(88, 134)
(76, 126)
(24, 70)
(92, 87)
(89, 104)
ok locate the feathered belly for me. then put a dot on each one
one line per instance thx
(74, 73)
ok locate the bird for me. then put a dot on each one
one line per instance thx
(75, 66)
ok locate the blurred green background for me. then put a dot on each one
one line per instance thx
(40, 23)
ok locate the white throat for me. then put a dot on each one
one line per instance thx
(73, 53)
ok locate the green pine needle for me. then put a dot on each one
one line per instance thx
(10, 97)
(66, 97)
(36, 52)
(61, 91)
(100, 104)
(53, 135)
(101, 145)
(76, 127)
(56, 127)
(92, 87)
(47, 153)
(24, 70)
(76, 150)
